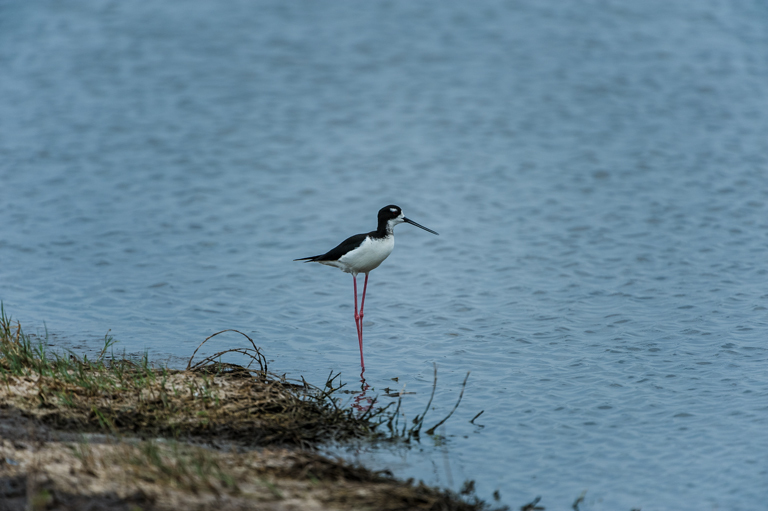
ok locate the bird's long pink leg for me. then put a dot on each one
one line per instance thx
(362, 304)
(359, 319)
(360, 326)
(357, 316)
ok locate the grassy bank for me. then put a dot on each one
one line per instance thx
(113, 433)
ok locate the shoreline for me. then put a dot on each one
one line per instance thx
(120, 434)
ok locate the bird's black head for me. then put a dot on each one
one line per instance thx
(389, 212)
(392, 215)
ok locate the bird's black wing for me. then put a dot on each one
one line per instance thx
(334, 254)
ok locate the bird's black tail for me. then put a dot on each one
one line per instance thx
(309, 259)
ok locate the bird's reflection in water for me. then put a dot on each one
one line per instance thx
(363, 403)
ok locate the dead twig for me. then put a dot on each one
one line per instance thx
(255, 354)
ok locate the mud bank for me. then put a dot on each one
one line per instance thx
(121, 434)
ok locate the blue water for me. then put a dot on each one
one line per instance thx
(597, 170)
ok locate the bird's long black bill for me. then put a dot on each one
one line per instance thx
(419, 225)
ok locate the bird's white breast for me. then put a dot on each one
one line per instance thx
(369, 255)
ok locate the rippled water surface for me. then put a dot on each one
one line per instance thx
(597, 170)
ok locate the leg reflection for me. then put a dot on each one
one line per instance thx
(363, 403)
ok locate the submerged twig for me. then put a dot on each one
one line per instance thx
(532, 506)
(431, 430)
(476, 416)
(419, 421)
(579, 500)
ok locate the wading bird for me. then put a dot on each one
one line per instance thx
(362, 253)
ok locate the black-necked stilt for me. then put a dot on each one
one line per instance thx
(362, 253)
